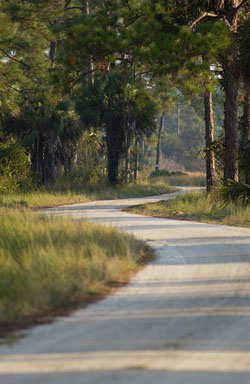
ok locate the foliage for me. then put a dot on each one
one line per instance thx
(190, 179)
(245, 162)
(49, 132)
(164, 172)
(14, 168)
(244, 46)
(50, 50)
(53, 263)
(89, 166)
(199, 206)
(238, 192)
(183, 146)
(69, 190)
(121, 104)
(218, 147)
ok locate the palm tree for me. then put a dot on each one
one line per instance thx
(121, 104)
(48, 132)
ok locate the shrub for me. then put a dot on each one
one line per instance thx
(14, 168)
(164, 172)
(235, 191)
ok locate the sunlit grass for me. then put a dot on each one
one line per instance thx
(59, 195)
(199, 206)
(50, 263)
(195, 179)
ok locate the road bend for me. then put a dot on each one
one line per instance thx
(183, 319)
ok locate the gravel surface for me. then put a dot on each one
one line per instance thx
(184, 319)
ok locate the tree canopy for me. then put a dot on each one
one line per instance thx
(68, 66)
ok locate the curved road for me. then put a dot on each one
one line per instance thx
(184, 319)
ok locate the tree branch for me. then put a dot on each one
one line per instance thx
(10, 86)
(209, 14)
(227, 23)
(13, 58)
(133, 20)
(67, 2)
(76, 79)
(32, 26)
(206, 14)
(241, 4)
(67, 9)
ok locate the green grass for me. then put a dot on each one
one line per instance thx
(48, 264)
(199, 206)
(194, 179)
(69, 194)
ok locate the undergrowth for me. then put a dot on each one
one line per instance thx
(199, 206)
(195, 179)
(60, 194)
(48, 263)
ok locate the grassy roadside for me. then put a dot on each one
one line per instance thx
(194, 179)
(198, 206)
(60, 196)
(49, 265)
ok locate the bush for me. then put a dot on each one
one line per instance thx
(235, 191)
(51, 263)
(14, 168)
(164, 172)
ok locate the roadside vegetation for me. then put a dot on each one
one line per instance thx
(190, 179)
(88, 101)
(69, 193)
(199, 206)
(50, 265)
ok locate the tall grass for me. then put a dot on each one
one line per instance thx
(69, 194)
(199, 206)
(194, 179)
(51, 263)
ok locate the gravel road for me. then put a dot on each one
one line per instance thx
(184, 319)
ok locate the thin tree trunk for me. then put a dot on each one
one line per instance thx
(52, 52)
(127, 161)
(136, 158)
(246, 115)
(246, 131)
(231, 83)
(115, 140)
(158, 147)
(41, 170)
(89, 64)
(178, 118)
(113, 163)
(209, 124)
(50, 158)
(141, 151)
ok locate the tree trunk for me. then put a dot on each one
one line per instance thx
(246, 135)
(127, 160)
(141, 151)
(246, 115)
(136, 158)
(158, 147)
(231, 82)
(115, 146)
(50, 160)
(40, 161)
(209, 124)
(178, 119)
(89, 64)
(113, 163)
(52, 52)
